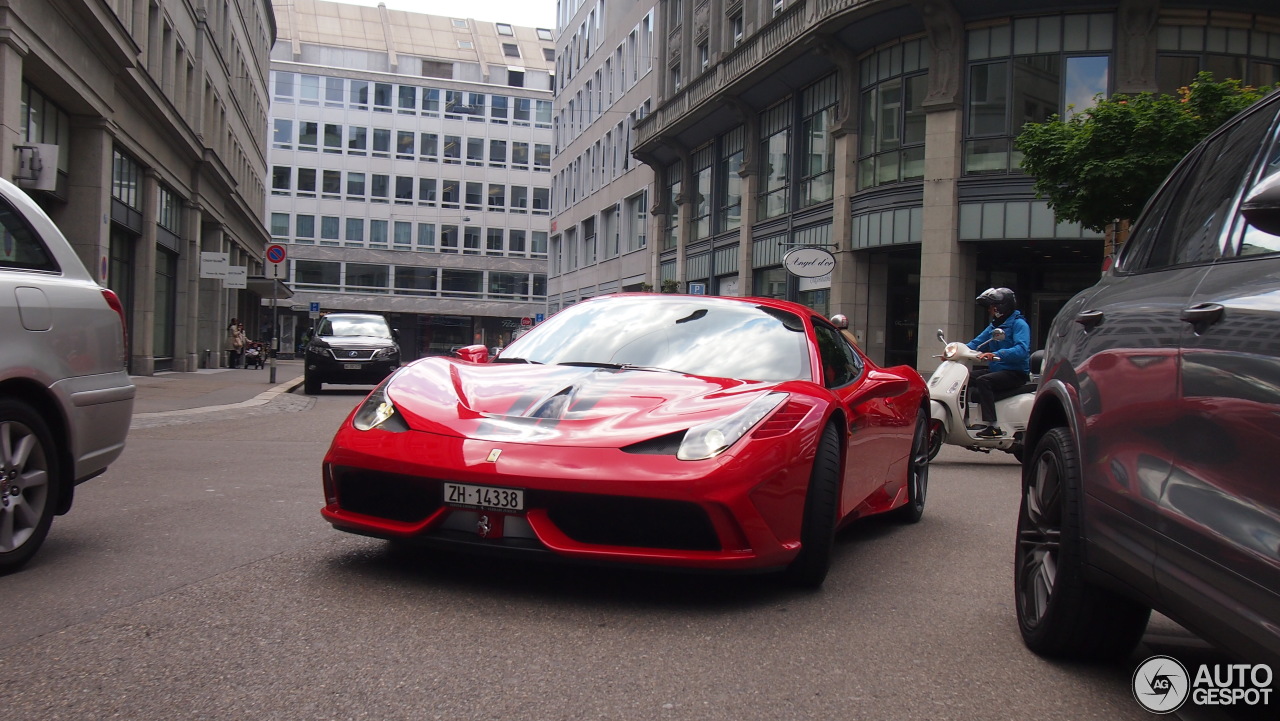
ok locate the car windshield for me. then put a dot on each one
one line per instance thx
(705, 337)
(353, 327)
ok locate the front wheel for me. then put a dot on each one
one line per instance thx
(28, 483)
(310, 384)
(1060, 613)
(818, 532)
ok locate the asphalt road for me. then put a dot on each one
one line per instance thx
(196, 580)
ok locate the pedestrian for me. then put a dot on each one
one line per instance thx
(243, 344)
(234, 343)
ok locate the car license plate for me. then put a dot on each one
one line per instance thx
(351, 366)
(498, 499)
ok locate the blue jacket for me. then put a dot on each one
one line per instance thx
(1014, 350)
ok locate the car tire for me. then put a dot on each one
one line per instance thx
(310, 384)
(917, 471)
(1060, 613)
(821, 503)
(28, 484)
(937, 436)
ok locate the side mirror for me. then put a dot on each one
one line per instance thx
(1261, 206)
(474, 353)
(998, 334)
(840, 321)
(395, 334)
(941, 336)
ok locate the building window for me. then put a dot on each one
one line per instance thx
(1252, 56)
(775, 151)
(511, 50)
(283, 135)
(544, 34)
(504, 29)
(817, 151)
(701, 198)
(729, 183)
(891, 147)
(126, 180)
(281, 180)
(1026, 72)
(671, 236)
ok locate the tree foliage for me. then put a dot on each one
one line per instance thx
(1103, 163)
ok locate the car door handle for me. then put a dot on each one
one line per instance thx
(1202, 315)
(1089, 318)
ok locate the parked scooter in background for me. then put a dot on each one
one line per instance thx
(951, 408)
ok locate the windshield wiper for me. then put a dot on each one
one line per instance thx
(615, 366)
(516, 359)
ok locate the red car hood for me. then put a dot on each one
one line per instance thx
(560, 405)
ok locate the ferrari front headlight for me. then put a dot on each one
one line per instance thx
(377, 411)
(711, 439)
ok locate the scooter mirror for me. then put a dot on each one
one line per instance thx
(998, 334)
(942, 337)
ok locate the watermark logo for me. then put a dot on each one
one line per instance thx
(1161, 684)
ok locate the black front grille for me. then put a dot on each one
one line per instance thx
(638, 522)
(586, 518)
(393, 496)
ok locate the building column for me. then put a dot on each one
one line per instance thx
(946, 266)
(186, 345)
(749, 171)
(12, 124)
(86, 217)
(143, 323)
(849, 279)
(213, 317)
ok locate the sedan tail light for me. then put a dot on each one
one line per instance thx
(113, 300)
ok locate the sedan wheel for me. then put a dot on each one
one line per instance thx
(818, 534)
(27, 483)
(1060, 613)
(917, 471)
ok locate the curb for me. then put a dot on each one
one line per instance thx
(261, 399)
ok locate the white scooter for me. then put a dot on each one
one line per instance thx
(951, 407)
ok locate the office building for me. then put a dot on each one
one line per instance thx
(411, 170)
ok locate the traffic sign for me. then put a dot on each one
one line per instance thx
(526, 321)
(275, 253)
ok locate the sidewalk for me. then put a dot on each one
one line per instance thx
(169, 394)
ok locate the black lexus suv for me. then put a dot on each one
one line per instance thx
(350, 348)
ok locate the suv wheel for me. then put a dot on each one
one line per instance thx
(1060, 613)
(28, 483)
(310, 384)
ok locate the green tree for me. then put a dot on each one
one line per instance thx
(1103, 163)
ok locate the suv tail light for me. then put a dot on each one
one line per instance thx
(113, 300)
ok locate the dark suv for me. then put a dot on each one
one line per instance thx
(1151, 481)
(350, 348)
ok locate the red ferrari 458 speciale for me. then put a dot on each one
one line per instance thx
(689, 431)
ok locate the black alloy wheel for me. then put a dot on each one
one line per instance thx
(917, 471)
(1060, 613)
(28, 483)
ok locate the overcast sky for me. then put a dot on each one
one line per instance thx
(529, 13)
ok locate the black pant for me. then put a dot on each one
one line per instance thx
(984, 383)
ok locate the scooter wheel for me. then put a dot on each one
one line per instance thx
(937, 434)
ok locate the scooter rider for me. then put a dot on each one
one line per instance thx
(1014, 365)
